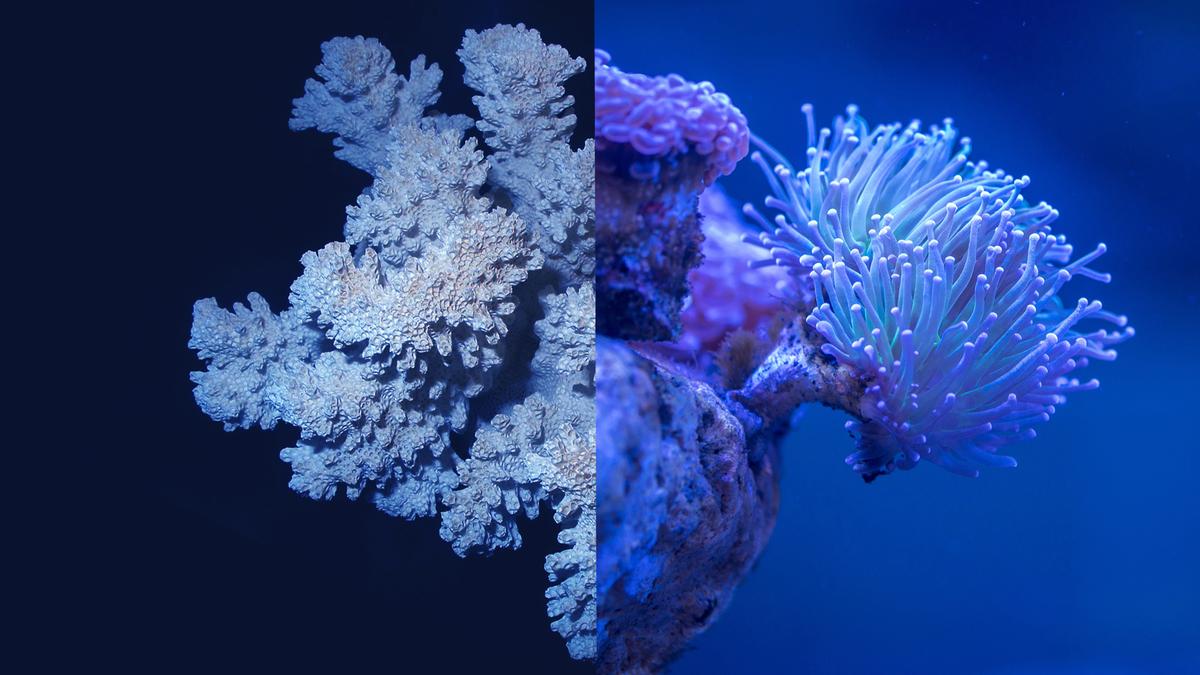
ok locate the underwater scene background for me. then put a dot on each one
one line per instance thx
(186, 546)
(1083, 559)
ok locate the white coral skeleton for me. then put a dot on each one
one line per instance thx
(395, 333)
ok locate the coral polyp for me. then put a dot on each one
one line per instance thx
(660, 141)
(659, 116)
(936, 290)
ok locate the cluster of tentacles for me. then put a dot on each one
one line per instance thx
(936, 286)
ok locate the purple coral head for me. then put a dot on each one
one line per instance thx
(726, 293)
(937, 284)
(660, 116)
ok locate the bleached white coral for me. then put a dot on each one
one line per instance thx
(393, 333)
(543, 449)
(527, 120)
(426, 186)
(568, 333)
(364, 101)
(246, 349)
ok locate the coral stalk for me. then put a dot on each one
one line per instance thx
(686, 500)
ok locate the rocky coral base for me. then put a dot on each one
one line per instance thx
(647, 240)
(685, 507)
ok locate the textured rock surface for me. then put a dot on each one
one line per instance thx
(684, 507)
(647, 240)
(659, 142)
(685, 503)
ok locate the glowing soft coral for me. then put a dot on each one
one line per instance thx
(664, 116)
(936, 291)
(397, 334)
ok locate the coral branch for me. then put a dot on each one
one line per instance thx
(362, 100)
(526, 118)
(396, 333)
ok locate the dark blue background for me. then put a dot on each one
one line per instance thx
(1086, 558)
(161, 171)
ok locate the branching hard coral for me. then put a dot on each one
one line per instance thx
(543, 448)
(364, 101)
(446, 177)
(936, 293)
(527, 119)
(393, 333)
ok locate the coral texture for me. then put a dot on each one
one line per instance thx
(936, 291)
(660, 116)
(686, 504)
(686, 500)
(400, 336)
(726, 293)
(527, 121)
(661, 142)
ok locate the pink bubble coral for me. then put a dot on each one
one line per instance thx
(727, 293)
(660, 116)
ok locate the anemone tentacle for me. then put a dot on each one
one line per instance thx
(937, 283)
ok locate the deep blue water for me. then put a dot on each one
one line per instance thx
(1086, 558)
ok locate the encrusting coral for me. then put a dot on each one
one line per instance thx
(398, 333)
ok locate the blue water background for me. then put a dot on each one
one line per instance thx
(1086, 558)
